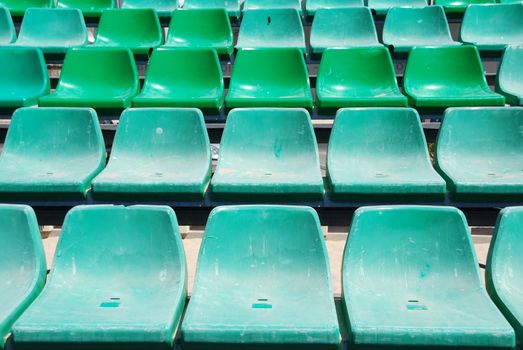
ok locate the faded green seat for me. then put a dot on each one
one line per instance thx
(262, 282)
(95, 77)
(201, 28)
(381, 7)
(23, 269)
(51, 153)
(118, 281)
(447, 77)
(18, 7)
(23, 77)
(358, 77)
(407, 27)
(380, 154)
(314, 5)
(411, 281)
(269, 78)
(157, 154)
(278, 28)
(479, 153)
(510, 75)
(7, 28)
(54, 31)
(182, 78)
(118, 28)
(232, 6)
(453, 6)
(268, 154)
(340, 28)
(162, 7)
(493, 27)
(272, 5)
(90, 8)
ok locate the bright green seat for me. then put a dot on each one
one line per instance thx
(268, 154)
(7, 28)
(201, 28)
(340, 28)
(272, 5)
(380, 154)
(162, 7)
(90, 8)
(262, 282)
(278, 28)
(493, 27)
(510, 76)
(118, 28)
(118, 281)
(479, 153)
(453, 6)
(51, 153)
(381, 7)
(269, 78)
(157, 154)
(407, 27)
(95, 77)
(23, 269)
(358, 77)
(447, 77)
(315, 5)
(23, 76)
(18, 7)
(232, 6)
(411, 281)
(182, 78)
(54, 31)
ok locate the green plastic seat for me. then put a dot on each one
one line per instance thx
(407, 27)
(510, 76)
(314, 5)
(493, 27)
(341, 28)
(201, 28)
(459, 6)
(269, 78)
(96, 77)
(118, 28)
(54, 31)
(262, 282)
(18, 7)
(380, 154)
(157, 154)
(90, 8)
(162, 7)
(479, 153)
(7, 28)
(411, 281)
(118, 281)
(23, 269)
(509, 1)
(272, 5)
(23, 77)
(268, 154)
(182, 78)
(278, 28)
(232, 6)
(447, 77)
(51, 153)
(358, 77)
(381, 7)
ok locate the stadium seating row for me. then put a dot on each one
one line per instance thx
(119, 280)
(374, 155)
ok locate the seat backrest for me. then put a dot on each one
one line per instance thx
(387, 4)
(271, 4)
(23, 68)
(461, 3)
(199, 27)
(510, 74)
(88, 7)
(162, 7)
(229, 5)
(483, 22)
(314, 5)
(18, 7)
(7, 28)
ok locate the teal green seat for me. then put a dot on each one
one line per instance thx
(54, 31)
(272, 5)
(493, 27)
(51, 153)
(381, 7)
(411, 281)
(7, 28)
(358, 77)
(118, 28)
(262, 282)
(95, 77)
(269, 78)
(459, 6)
(509, 1)
(18, 7)
(232, 6)
(340, 28)
(380, 154)
(182, 78)
(268, 154)
(118, 281)
(162, 7)
(23, 77)
(201, 28)
(447, 77)
(23, 269)
(90, 8)
(510, 75)
(278, 28)
(478, 152)
(314, 5)
(157, 154)
(406, 28)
